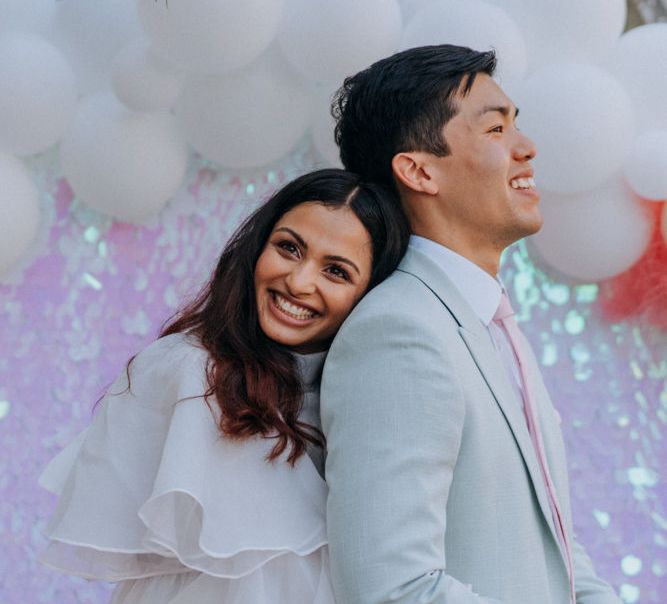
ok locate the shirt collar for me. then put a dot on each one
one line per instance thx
(479, 289)
(309, 367)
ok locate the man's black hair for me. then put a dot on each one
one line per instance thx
(401, 103)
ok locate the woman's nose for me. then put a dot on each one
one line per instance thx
(301, 280)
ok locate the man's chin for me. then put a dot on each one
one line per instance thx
(532, 223)
(535, 227)
(526, 229)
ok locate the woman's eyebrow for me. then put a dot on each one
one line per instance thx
(344, 261)
(294, 234)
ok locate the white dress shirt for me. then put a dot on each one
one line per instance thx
(482, 292)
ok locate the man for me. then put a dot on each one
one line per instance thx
(446, 467)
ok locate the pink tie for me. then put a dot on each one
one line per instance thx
(505, 318)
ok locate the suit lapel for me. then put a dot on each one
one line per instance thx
(486, 359)
(483, 352)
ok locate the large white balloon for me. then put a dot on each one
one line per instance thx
(639, 61)
(595, 235)
(19, 208)
(91, 34)
(246, 119)
(646, 168)
(123, 163)
(581, 31)
(142, 80)
(211, 36)
(475, 24)
(582, 122)
(37, 94)
(410, 7)
(323, 127)
(26, 15)
(326, 41)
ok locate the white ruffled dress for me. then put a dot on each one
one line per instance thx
(152, 495)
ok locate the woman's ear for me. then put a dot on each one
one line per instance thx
(412, 170)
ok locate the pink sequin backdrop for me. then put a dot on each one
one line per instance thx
(93, 292)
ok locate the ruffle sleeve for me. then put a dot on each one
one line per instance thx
(153, 488)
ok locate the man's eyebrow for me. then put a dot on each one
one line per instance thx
(304, 245)
(502, 109)
(296, 236)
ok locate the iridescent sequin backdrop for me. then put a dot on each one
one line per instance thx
(94, 292)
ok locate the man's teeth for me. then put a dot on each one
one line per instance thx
(522, 183)
(298, 312)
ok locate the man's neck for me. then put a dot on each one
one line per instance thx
(478, 252)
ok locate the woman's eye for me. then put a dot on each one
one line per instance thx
(339, 272)
(496, 129)
(289, 247)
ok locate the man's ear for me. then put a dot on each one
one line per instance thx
(413, 171)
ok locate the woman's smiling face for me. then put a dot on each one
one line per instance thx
(315, 266)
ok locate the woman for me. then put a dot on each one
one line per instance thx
(200, 478)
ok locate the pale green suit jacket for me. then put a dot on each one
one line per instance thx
(435, 490)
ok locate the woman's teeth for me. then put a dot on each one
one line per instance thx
(522, 183)
(297, 312)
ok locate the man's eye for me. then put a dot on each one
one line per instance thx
(497, 129)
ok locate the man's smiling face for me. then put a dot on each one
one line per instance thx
(486, 188)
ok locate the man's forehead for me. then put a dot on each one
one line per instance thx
(486, 96)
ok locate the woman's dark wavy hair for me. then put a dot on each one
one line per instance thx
(254, 380)
(401, 103)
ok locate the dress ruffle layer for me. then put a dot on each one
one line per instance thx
(153, 490)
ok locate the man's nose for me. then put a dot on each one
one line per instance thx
(301, 279)
(524, 148)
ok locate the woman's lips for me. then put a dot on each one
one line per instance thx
(289, 312)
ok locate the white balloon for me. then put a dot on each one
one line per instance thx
(475, 24)
(327, 41)
(639, 61)
(410, 7)
(323, 128)
(595, 235)
(211, 36)
(91, 33)
(123, 163)
(142, 80)
(19, 208)
(646, 168)
(26, 15)
(37, 94)
(582, 122)
(579, 31)
(246, 119)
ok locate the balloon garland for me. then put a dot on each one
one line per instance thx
(242, 82)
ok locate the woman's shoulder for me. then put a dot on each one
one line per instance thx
(171, 366)
(172, 351)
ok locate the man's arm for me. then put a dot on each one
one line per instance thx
(393, 414)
